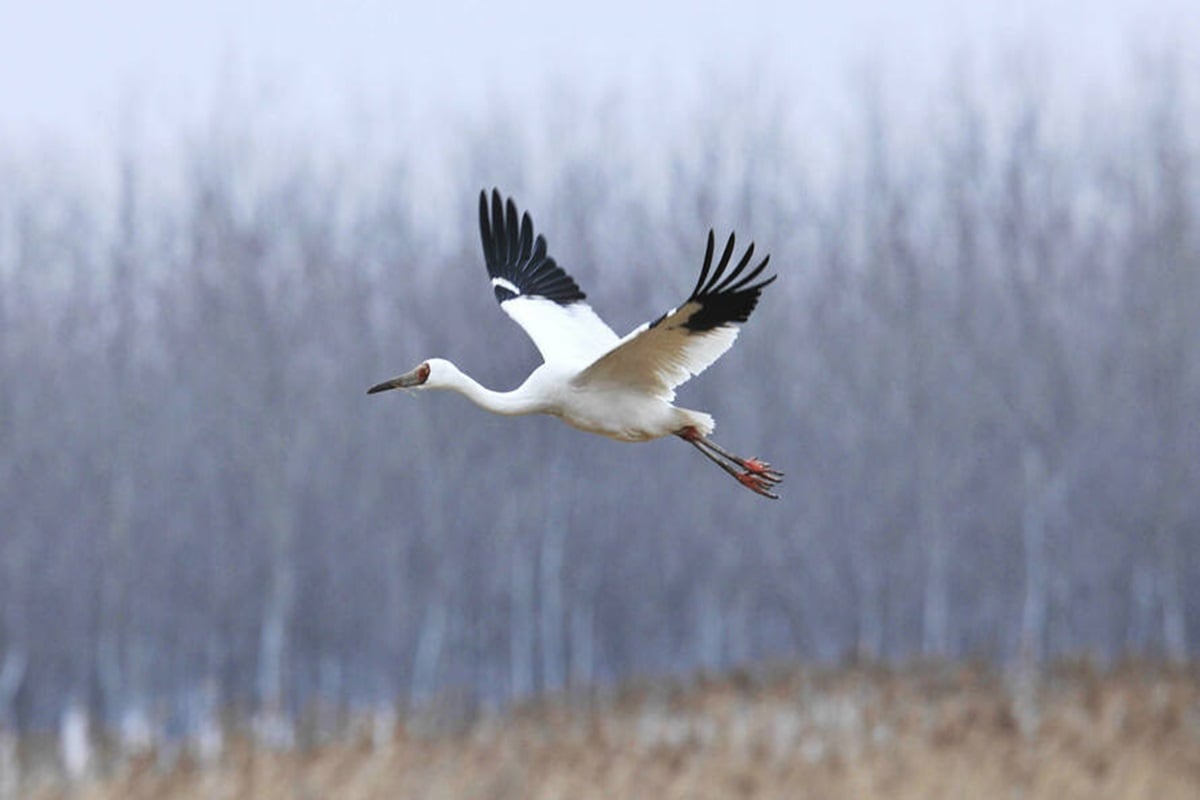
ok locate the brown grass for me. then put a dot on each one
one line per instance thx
(922, 732)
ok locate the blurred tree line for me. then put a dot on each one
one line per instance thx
(979, 368)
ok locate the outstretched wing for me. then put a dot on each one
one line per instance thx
(535, 291)
(685, 341)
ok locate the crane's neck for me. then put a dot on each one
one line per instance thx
(518, 401)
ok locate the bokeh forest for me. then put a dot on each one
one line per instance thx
(979, 368)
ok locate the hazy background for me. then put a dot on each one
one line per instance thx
(217, 228)
(72, 69)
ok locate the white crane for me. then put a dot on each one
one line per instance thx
(592, 379)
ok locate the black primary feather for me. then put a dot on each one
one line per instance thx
(723, 299)
(514, 255)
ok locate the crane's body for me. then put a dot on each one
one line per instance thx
(607, 410)
(593, 380)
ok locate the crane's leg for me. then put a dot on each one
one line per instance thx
(754, 474)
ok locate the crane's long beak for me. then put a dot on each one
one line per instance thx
(405, 381)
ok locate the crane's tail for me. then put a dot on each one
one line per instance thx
(755, 474)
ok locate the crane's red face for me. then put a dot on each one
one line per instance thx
(409, 380)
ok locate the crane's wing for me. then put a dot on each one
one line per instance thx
(685, 341)
(535, 291)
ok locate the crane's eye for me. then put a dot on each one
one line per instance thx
(423, 372)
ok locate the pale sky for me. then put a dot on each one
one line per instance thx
(69, 65)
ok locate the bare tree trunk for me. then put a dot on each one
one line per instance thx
(869, 644)
(112, 617)
(551, 607)
(928, 473)
(1033, 539)
(274, 646)
(553, 545)
(111, 640)
(936, 611)
(1174, 619)
(1141, 605)
(521, 636)
(428, 657)
(583, 642)
(12, 673)
(710, 624)
(10, 764)
(75, 741)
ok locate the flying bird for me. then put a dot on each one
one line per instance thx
(592, 379)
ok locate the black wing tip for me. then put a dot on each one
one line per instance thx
(513, 252)
(720, 283)
(726, 299)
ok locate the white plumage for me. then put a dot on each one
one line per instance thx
(571, 334)
(594, 381)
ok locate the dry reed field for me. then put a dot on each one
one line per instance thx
(932, 731)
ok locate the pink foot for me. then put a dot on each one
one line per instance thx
(761, 469)
(757, 484)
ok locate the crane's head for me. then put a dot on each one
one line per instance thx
(410, 380)
(433, 373)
